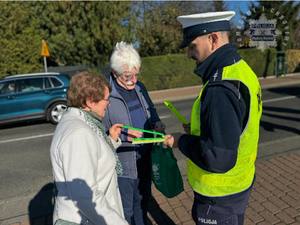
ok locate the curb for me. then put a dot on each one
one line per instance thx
(185, 93)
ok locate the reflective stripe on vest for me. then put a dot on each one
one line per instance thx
(240, 177)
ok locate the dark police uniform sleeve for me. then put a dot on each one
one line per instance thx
(222, 114)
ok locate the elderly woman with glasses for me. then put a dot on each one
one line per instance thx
(83, 157)
(130, 104)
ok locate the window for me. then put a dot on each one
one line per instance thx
(8, 87)
(47, 83)
(32, 84)
(56, 82)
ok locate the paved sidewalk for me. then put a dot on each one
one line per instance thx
(275, 198)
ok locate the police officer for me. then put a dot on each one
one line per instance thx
(221, 145)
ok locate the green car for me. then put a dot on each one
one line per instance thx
(33, 96)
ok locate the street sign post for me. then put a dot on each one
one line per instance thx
(45, 53)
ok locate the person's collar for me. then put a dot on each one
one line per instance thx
(85, 110)
(223, 56)
(94, 115)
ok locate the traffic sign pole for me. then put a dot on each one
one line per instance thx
(45, 64)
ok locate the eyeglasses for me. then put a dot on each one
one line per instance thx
(127, 75)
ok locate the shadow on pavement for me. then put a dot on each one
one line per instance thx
(42, 204)
(281, 113)
(281, 117)
(22, 124)
(159, 216)
(280, 109)
(287, 91)
(272, 127)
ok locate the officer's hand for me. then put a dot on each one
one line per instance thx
(187, 128)
(169, 140)
(115, 131)
(172, 140)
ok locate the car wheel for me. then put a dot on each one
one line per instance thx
(55, 111)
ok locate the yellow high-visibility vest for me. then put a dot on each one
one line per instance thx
(240, 177)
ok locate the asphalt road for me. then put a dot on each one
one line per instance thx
(24, 148)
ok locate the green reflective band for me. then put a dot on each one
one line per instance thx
(143, 131)
(147, 140)
(172, 108)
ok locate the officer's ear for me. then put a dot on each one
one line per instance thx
(214, 39)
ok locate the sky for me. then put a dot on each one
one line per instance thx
(238, 6)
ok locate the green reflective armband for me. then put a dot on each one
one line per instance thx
(147, 140)
(172, 108)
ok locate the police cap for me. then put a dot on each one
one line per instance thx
(203, 23)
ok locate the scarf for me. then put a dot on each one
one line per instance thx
(94, 122)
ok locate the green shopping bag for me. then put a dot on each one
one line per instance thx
(165, 172)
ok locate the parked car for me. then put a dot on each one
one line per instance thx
(33, 96)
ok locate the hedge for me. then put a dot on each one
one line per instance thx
(176, 70)
(293, 60)
(261, 62)
(169, 71)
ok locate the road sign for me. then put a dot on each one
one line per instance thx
(45, 50)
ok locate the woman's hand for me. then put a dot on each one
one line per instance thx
(133, 134)
(115, 131)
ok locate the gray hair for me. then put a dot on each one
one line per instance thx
(124, 54)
